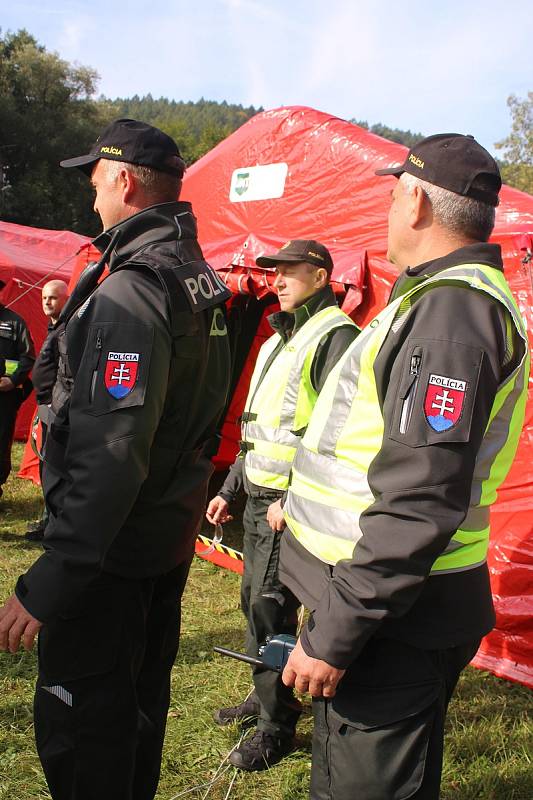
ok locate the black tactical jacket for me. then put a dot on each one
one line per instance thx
(45, 367)
(16, 344)
(127, 457)
(421, 487)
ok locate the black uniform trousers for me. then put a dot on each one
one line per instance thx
(45, 516)
(269, 608)
(381, 736)
(103, 689)
(9, 405)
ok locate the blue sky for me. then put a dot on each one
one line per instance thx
(427, 66)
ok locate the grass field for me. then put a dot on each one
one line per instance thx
(489, 742)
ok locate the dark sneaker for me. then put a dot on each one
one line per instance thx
(35, 531)
(246, 713)
(35, 535)
(260, 752)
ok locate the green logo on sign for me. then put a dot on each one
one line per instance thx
(243, 182)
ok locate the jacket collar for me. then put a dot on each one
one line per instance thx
(477, 253)
(165, 222)
(286, 323)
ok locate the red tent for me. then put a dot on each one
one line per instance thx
(296, 172)
(29, 257)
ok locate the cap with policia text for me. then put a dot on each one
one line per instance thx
(298, 250)
(136, 143)
(454, 162)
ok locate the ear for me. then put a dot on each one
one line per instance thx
(321, 277)
(419, 207)
(127, 184)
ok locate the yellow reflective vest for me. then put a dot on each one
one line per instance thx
(280, 402)
(329, 487)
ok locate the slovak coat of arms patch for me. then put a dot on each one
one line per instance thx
(444, 401)
(121, 373)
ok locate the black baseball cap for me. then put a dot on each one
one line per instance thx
(134, 142)
(454, 162)
(297, 250)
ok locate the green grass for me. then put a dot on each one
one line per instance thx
(489, 742)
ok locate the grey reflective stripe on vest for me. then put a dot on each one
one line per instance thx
(477, 519)
(344, 395)
(274, 435)
(330, 521)
(268, 464)
(497, 434)
(333, 474)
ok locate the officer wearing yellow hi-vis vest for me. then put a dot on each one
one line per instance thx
(388, 505)
(311, 333)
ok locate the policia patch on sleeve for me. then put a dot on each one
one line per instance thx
(437, 390)
(121, 373)
(117, 374)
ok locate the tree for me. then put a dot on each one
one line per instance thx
(408, 138)
(196, 126)
(517, 166)
(46, 114)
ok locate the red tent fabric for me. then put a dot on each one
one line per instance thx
(29, 257)
(328, 191)
(298, 173)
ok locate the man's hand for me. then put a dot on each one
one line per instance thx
(6, 384)
(275, 516)
(17, 624)
(311, 675)
(217, 511)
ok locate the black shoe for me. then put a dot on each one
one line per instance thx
(260, 752)
(246, 713)
(35, 533)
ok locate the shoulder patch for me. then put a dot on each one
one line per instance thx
(444, 401)
(120, 373)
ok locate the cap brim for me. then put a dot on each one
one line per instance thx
(271, 261)
(390, 171)
(81, 162)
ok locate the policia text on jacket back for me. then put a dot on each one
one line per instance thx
(310, 334)
(388, 505)
(126, 468)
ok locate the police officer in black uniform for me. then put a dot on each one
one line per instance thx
(389, 633)
(126, 469)
(17, 355)
(54, 297)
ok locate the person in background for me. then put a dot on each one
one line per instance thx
(54, 296)
(17, 352)
(310, 334)
(388, 508)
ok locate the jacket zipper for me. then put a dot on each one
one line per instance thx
(96, 362)
(409, 396)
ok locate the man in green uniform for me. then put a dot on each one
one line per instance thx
(311, 333)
